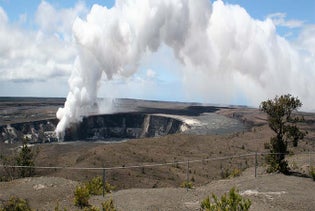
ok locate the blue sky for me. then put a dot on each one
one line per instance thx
(302, 10)
(15, 8)
(28, 18)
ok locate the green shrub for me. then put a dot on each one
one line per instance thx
(274, 165)
(294, 165)
(231, 202)
(226, 173)
(15, 204)
(187, 184)
(109, 188)
(267, 145)
(108, 205)
(235, 173)
(312, 172)
(92, 208)
(95, 186)
(81, 196)
(57, 208)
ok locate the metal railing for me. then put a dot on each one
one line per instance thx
(187, 162)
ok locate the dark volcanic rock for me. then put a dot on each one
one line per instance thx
(122, 125)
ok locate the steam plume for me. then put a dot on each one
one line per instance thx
(213, 42)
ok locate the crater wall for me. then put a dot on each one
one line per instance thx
(96, 127)
(123, 125)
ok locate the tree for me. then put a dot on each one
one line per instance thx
(25, 158)
(282, 119)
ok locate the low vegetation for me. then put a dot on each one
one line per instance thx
(187, 184)
(108, 205)
(227, 173)
(25, 158)
(81, 196)
(15, 204)
(95, 186)
(231, 202)
(83, 193)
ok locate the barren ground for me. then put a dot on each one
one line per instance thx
(267, 192)
(157, 188)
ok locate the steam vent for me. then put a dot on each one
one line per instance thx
(34, 119)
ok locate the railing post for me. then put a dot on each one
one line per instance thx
(104, 181)
(187, 175)
(256, 164)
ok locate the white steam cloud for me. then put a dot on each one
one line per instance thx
(221, 49)
(41, 54)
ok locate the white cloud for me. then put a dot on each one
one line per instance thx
(42, 53)
(151, 74)
(51, 20)
(3, 16)
(306, 39)
(279, 19)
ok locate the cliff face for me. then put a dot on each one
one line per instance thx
(98, 127)
(34, 131)
(124, 125)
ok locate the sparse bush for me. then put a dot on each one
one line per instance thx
(83, 192)
(312, 172)
(109, 188)
(233, 202)
(15, 204)
(81, 196)
(95, 186)
(187, 184)
(235, 173)
(274, 166)
(9, 173)
(267, 145)
(92, 208)
(108, 205)
(57, 208)
(226, 173)
(294, 166)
